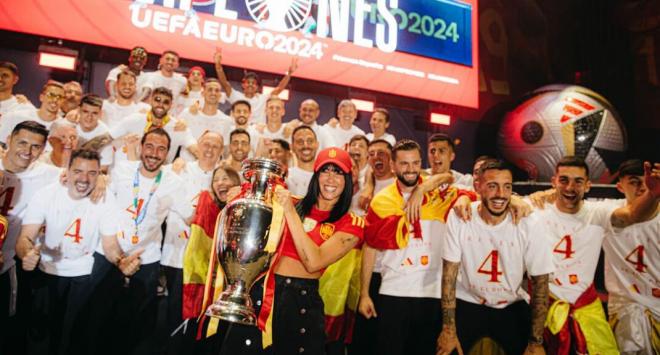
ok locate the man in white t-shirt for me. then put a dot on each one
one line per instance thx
(90, 126)
(136, 61)
(366, 326)
(138, 124)
(632, 273)
(71, 101)
(308, 113)
(491, 255)
(125, 306)
(240, 113)
(125, 102)
(304, 145)
(345, 129)
(409, 315)
(379, 122)
(8, 101)
(21, 177)
(74, 226)
(280, 151)
(197, 177)
(63, 138)
(239, 149)
(441, 153)
(166, 76)
(274, 129)
(577, 229)
(51, 95)
(250, 85)
(209, 118)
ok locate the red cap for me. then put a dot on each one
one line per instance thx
(335, 156)
(199, 69)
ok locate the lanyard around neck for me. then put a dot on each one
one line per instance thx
(141, 211)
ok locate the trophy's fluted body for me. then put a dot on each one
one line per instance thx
(242, 238)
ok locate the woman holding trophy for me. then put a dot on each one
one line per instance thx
(318, 230)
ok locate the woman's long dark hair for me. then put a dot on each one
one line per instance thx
(233, 176)
(339, 209)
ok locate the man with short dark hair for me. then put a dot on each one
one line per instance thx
(126, 266)
(8, 101)
(239, 148)
(492, 255)
(357, 148)
(52, 93)
(74, 227)
(125, 102)
(379, 122)
(22, 176)
(280, 150)
(250, 85)
(304, 145)
(136, 61)
(166, 75)
(90, 126)
(409, 315)
(632, 273)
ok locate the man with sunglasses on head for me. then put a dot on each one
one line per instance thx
(51, 95)
(137, 124)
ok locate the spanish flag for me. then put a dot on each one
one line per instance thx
(198, 276)
(4, 226)
(387, 224)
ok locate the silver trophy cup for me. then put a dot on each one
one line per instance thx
(242, 238)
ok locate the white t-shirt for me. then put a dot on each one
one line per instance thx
(176, 236)
(140, 83)
(176, 83)
(632, 270)
(257, 105)
(341, 136)
(387, 137)
(576, 240)
(494, 258)
(168, 197)
(325, 138)
(11, 105)
(416, 270)
(136, 123)
(184, 102)
(201, 123)
(73, 229)
(10, 120)
(106, 152)
(16, 191)
(297, 180)
(114, 113)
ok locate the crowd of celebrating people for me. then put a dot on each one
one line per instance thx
(109, 203)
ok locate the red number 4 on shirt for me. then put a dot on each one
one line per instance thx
(74, 231)
(494, 272)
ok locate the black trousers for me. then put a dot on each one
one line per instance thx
(14, 329)
(408, 325)
(509, 327)
(122, 315)
(365, 333)
(57, 322)
(174, 277)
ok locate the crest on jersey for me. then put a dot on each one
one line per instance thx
(279, 15)
(327, 230)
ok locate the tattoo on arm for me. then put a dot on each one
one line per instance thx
(448, 302)
(98, 142)
(348, 239)
(539, 303)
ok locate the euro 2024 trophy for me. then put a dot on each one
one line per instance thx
(242, 239)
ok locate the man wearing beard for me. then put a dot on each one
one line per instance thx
(493, 254)
(136, 61)
(304, 146)
(74, 225)
(125, 102)
(52, 93)
(126, 266)
(63, 138)
(239, 148)
(166, 76)
(139, 123)
(409, 317)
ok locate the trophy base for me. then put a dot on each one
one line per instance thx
(238, 310)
